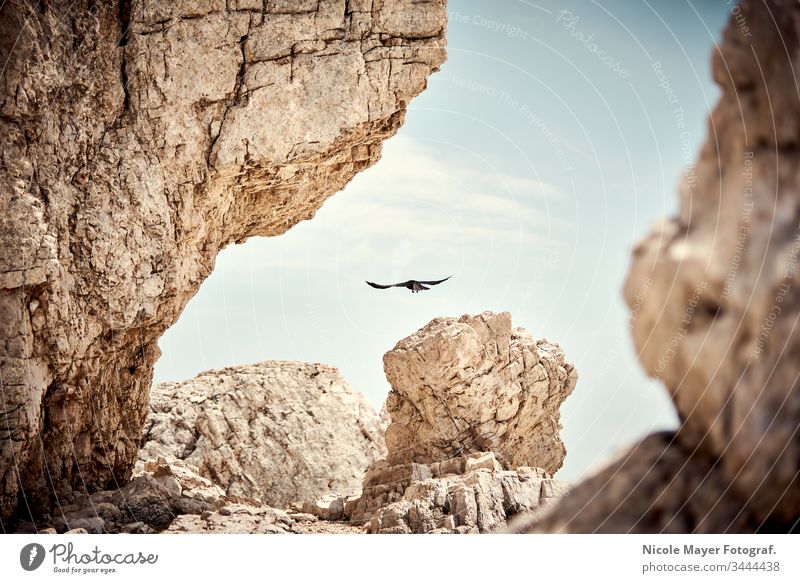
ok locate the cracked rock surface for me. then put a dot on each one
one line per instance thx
(148, 503)
(170, 496)
(277, 431)
(137, 139)
(475, 384)
(466, 495)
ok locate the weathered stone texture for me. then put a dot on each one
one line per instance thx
(474, 384)
(137, 139)
(278, 431)
(470, 494)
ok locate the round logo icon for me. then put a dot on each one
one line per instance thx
(31, 556)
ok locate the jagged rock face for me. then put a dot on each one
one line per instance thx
(138, 139)
(478, 502)
(276, 431)
(470, 494)
(467, 494)
(714, 297)
(475, 384)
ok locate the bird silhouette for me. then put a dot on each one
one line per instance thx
(414, 285)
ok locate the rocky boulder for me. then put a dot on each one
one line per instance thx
(714, 295)
(148, 503)
(476, 384)
(278, 431)
(171, 497)
(468, 494)
(139, 139)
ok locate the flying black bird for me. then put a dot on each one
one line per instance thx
(412, 284)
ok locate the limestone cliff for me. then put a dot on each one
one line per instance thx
(138, 139)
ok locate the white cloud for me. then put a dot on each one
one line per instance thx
(412, 201)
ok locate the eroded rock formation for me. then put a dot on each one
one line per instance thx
(148, 503)
(470, 494)
(138, 139)
(170, 496)
(714, 296)
(473, 435)
(278, 431)
(473, 384)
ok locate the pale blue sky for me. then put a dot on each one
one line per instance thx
(541, 152)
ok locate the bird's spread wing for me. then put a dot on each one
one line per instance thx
(435, 282)
(379, 286)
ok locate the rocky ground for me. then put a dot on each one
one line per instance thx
(173, 498)
(465, 496)
(325, 527)
(286, 447)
